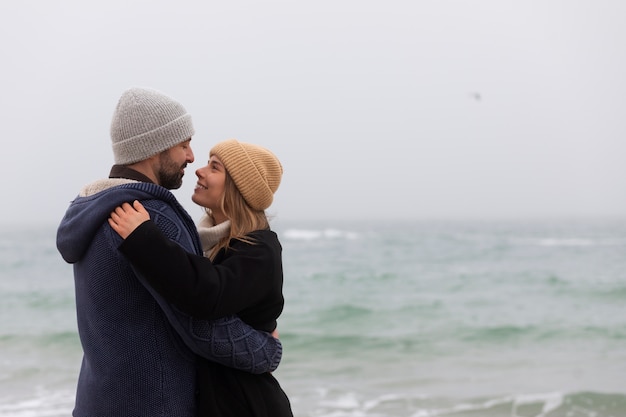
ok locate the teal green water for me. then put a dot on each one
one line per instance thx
(511, 319)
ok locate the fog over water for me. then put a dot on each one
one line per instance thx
(399, 109)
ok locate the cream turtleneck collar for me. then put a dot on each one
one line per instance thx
(211, 233)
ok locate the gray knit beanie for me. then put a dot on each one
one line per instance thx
(145, 123)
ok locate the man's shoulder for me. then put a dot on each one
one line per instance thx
(104, 184)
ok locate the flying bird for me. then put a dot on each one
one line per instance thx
(476, 96)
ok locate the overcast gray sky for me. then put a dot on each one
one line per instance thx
(377, 109)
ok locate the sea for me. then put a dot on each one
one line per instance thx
(489, 318)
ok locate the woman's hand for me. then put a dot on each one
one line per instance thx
(126, 218)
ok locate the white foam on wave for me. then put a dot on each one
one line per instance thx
(567, 242)
(308, 234)
(375, 402)
(551, 401)
(350, 404)
(347, 401)
(353, 404)
(44, 404)
(580, 241)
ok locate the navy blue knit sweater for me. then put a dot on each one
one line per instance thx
(139, 352)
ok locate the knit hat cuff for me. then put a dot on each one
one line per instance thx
(140, 147)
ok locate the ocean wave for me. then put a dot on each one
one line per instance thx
(494, 241)
(344, 312)
(42, 404)
(578, 242)
(319, 234)
(616, 293)
(512, 333)
(320, 343)
(340, 403)
(494, 334)
(51, 339)
(542, 405)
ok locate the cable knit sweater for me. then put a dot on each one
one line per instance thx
(139, 351)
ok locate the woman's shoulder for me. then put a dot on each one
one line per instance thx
(258, 238)
(263, 234)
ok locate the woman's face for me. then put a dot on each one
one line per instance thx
(210, 186)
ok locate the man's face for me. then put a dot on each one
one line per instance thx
(172, 164)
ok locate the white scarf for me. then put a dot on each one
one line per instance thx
(211, 233)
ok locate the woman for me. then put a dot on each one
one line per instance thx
(241, 272)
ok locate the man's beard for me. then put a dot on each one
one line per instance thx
(170, 175)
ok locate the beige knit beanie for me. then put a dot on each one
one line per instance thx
(255, 171)
(145, 123)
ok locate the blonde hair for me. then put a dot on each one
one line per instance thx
(243, 218)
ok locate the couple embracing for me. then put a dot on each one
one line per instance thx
(174, 318)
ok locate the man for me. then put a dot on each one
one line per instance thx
(138, 351)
